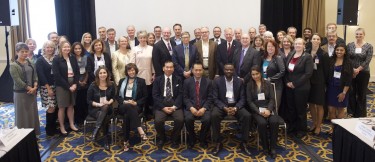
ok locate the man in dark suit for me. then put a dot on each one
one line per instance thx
(245, 58)
(111, 44)
(162, 51)
(197, 34)
(225, 51)
(332, 27)
(198, 100)
(229, 99)
(207, 54)
(184, 56)
(133, 41)
(217, 35)
(177, 29)
(167, 93)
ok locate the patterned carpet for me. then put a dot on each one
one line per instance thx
(72, 148)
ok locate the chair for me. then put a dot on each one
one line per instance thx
(281, 121)
(226, 119)
(91, 120)
(183, 131)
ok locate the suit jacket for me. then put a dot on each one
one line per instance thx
(140, 95)
(158, 92)
(221, 40)
(193, 41)
(160, 54)
(338, 41)
(223, 56)
(60, 71)
(90, 67)
(275, 70)
(178, 58)
(205, 93)
(212, 69)
(251, 58)
(303, 69)
(219, 92)
(108, 50)
(252, 97)
(320, 75)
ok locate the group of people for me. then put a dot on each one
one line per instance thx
(254, 77)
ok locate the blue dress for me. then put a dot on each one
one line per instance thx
(334, 89)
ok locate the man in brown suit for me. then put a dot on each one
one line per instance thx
(207, 53)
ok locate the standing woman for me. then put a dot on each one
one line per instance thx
(287, 47)
(132, 95)
(100, 97)
(47, 85)
(96, 59)
(66, 72)
(280, 36)
(80, 109)
(297, 79)
(318, 82)
(259, 43)
(143, 60)
(360, 55)
(86, 42)
(121, 58)
(151, 39)
(25, 85)
(32, 46)
(340, 74)
(273, 68)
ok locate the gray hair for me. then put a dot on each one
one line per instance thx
(20, 46)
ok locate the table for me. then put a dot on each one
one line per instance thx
(350, 145)
(23, 148)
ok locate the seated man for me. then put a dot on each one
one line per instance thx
(167, 94)
(198, 100)
(229, 99)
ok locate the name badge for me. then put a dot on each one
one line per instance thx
(82, 70)
(337, 75)
(103, 99)
(265, 69)
(170, 52)
(51, 71)
(229, 95)
(358, 50)
(291, 67)
(261, 96)
(129, 93)
(101, 63)
(315, 66)
(317, 61)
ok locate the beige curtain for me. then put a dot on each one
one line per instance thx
(21, 32)
(314, 15)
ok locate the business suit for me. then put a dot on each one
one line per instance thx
(108, 49)
(178, 58)
(160, 54)
(193, 41)
(224, 55)
(338, 41)
(160, 101)
(220, 101)
(251, 58)
(60, 71)
(220, 42)
(90, 67)
(205, 98)
(297, 97)
(212, 69)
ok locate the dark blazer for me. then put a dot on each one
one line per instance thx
(252, 97)
(303, 69)
(90, 67)
(44, 69)
(193, 41)
(338, 41)
(223, 56)
(320, 75)
(251, 58)
(212, 70)
(346, 76)
(275, 70)
(60, 71)
(93, 94)
(158, 92)
(160, 54)
(220, 90)
(178, 58)
(221, 40)
(107, 49)
(205, 93)
(141, 94)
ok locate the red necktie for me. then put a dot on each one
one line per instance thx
(169, 47)
(197, 101)
(229, 48)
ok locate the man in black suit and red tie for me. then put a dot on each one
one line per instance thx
(162, 51)
(167, 93)
(225, 51)
(229, 99)
(198, 101)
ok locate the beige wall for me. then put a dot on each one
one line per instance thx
(365, 20)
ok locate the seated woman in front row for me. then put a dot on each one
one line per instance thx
(100, 97)
(132, 95)
(261, 100)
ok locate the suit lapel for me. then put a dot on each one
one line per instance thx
(247, 56)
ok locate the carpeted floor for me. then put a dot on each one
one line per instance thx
(72, 148)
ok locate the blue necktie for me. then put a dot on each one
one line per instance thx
(241, 59)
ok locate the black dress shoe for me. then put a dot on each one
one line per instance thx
(64, 134)
(300, 134)
(203, 145)
(106, 146)
(94, 134)
(245, 149)
(217, 149)
(161, 143)
(273, 153)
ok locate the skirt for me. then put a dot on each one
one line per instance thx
(48, 101)
(26, 111)
(65, 98)
(332, 93)
(317, 94)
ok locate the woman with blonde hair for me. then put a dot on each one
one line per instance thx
(121, 58)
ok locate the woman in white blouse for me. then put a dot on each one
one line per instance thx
(121, 58)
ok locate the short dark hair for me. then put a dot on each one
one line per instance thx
(168, 61)
(157, 27)
(177, 24)
(49, 34)
(307, 28)
(130, 66)
(198, 63)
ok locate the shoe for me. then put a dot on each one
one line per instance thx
(64, 134)
(75, 129)
(191, 145)
(316, 133)
(175, 145)
(245, 149)
(94, 134)
(106, 146)
(144, 137)
(161, 143)
(329, 133)
(312, 129)
(217, 149)
(203, 145)
(126, 146)
(273, 153)
(300, 134)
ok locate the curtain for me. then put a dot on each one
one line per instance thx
(75, 17)
(21, 32)
(314, 15)
(281, 14)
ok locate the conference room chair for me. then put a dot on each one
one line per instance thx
(89, 120)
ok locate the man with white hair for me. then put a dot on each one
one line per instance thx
(162, 51)
(207, 53)
(238, 34)
(329, 28)
(133, 41)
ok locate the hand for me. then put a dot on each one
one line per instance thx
(152, 78)
(234, 111)
(29, 89)
(341, 97)
(50, 92)
(105, 102)
(193, 111)
(201, 112)
(227, 110)
(187, 74)
(167, 110)
(73, 88)
(132, 102)
(266, 113)
(98, 104)
(243, 81)
(82, 83)
(290, 85)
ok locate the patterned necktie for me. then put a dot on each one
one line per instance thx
(197, 101)
(168, 89)
(186, 58)
(169, 46)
